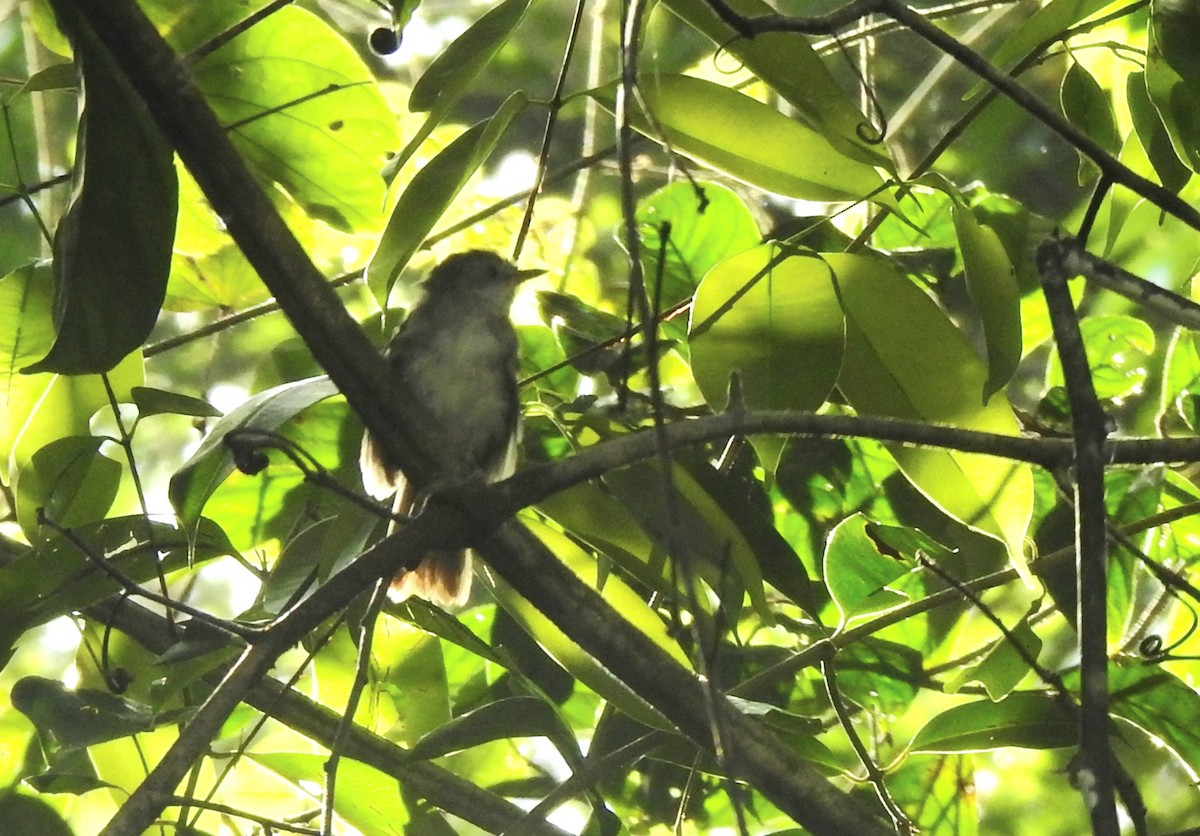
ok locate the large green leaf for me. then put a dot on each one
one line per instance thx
(444, 81)
(37, 409)
(937, 792)
(1005, 665)
(1026, 719)
(905, 359)
(992, 284)
(703, 223)
(26, 332)
(1173, 74)
(69, 481)
(321, 129)
(1155, 139)
(858, 574)
(511, 717)
(1040, 27)
(774, 320)
(1119, 351)
(1158, 702)
(366, 798)
(777, 324)
(565, 651)
(747, 140)
(787, 62)
(56, 578)
(459, 63)
(431, 191)
(693, 526)
(27, 814)
(1089, 108)
(208, 467)
(112, 249)
(76, 719)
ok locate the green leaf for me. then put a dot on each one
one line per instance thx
(1089, 108)
(321, 129)
(879, 674)
(450, 73)
(161, 402)
(309, 556)
(75, 719)
(747, 140)
(858, 574)
(788, 63)
(56, 578)
(993, 288)
(208, 467)
(936, 791)
(54, 77)
(1025, 719)
(429, 193)
(25, 814)
(580, 328)
(1155, 139)
(70, 480)
(513, 717)
(742, 503)
(112, 248)
(1158, 702)
(778, 325)
(928, 224)
(599, 519)
(26, 332)
(1119, 352)
(444, 81)
(905, 359)
(707, 222)
(40, 408)
(695, 527)
(366, 798)
(1003, 668)
(1042, 26)
(1173, 74)
(416, 680)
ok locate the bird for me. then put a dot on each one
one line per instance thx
(454, 358)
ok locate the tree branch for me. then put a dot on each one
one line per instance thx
(1090, 427)
(439, 786)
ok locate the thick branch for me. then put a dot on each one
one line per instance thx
(753, 753)
(1090, 428)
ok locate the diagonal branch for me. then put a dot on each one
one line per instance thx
(438, 785)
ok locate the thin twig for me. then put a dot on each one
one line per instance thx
(901, 822)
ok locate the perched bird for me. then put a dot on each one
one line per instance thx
(455, 359)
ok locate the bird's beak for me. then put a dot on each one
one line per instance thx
(525, 275)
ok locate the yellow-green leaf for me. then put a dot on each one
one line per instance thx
(905, 359)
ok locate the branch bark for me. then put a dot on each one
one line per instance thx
(1090, 426)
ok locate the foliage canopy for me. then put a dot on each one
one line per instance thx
(840, 507)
